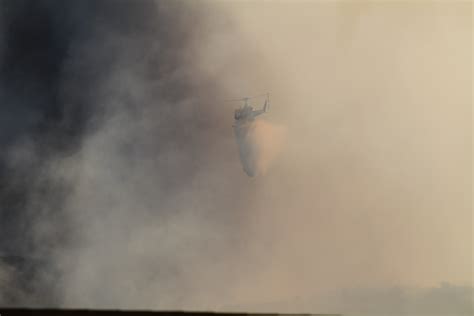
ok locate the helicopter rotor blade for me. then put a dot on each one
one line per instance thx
(247, 98)
(232, 100)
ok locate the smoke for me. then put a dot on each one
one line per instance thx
(120, 171)
(113, 159)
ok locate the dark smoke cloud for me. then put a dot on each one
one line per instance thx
(35, 126)
(66, 69)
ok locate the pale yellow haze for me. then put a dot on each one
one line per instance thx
(372, 184)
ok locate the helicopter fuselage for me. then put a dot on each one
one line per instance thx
(247, 113)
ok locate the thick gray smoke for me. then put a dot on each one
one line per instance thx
(120, 179)
(115, 156)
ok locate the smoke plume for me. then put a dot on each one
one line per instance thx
(120, 179)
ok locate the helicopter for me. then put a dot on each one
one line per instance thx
(246, 113)
(243, 128)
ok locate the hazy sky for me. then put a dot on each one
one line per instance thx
(374, 186)
(120, 180)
